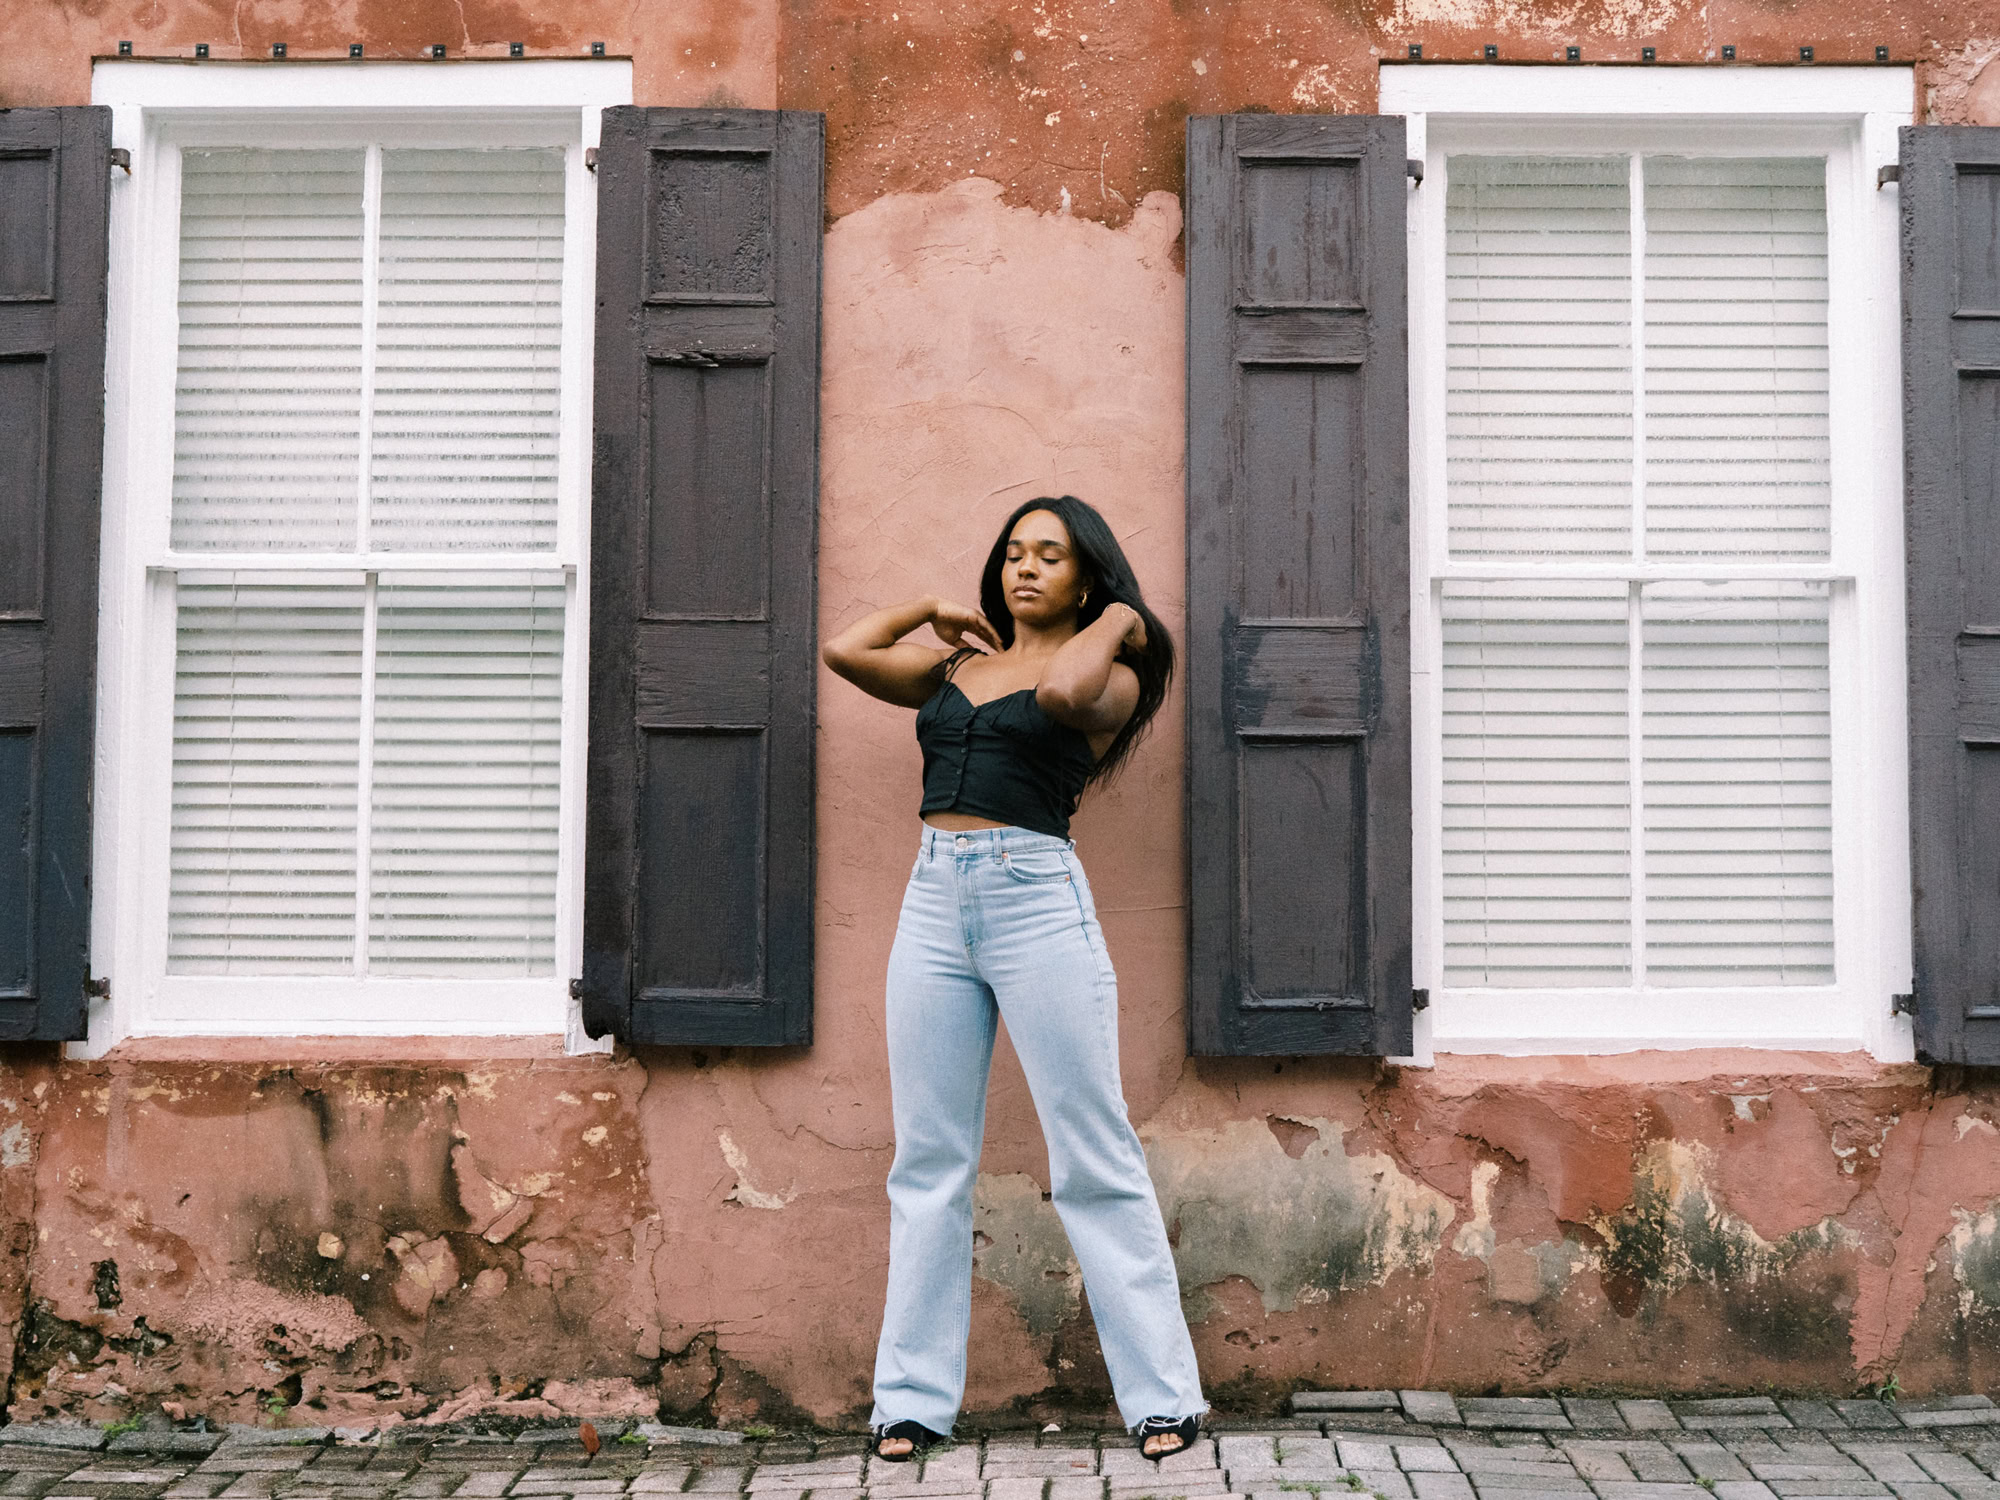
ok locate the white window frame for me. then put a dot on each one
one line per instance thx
(157, 108)
(1850, 115)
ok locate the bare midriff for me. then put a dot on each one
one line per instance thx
(957, 822)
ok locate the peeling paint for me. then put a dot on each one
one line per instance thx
(1018, 1244)
(1675, 1232)
(745, 1192)
(1975, 1262)
(1318, 91)
(1565, 18)
(1322, 1221)
(1475, 1236)
(1961, 86)
(1412, 1232)
(429, 1271)
(1529, 1275)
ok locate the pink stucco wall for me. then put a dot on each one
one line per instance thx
(402, 1231)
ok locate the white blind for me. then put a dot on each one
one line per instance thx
(1738, 784)
(1537, 771)
(367, 759)
(1736, 358)
(267, 719)
(461, 699)
(1538, 431)
(468, 357)
(267, 400)
(1636, 770)
(467, 750)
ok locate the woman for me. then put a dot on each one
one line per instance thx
(998, 921)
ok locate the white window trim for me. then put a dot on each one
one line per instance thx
(1852, 114)
(157, 108)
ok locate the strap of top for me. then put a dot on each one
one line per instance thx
(956, 660)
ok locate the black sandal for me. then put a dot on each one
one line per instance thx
(918, 1436)
(1187, 1429)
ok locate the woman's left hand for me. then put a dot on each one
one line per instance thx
(1135, 630)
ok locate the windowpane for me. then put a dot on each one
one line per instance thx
(267, 402)
(267, 716)
(469, 350)
(1539, 360)
(468, 741)
(1738, 784)
(1537, 765)
(377, 742)
(1732, 764)
(464, 762)
(1736, 358)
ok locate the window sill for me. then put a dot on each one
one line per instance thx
(1829, 1020)
(1739, 1068)
(370, 1050)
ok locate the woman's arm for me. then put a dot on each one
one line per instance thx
(1085, 685)
(872, 655)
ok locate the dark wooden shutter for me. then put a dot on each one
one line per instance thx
(1951, 433)
(55, 169)
(698, 908)
(1298, 586)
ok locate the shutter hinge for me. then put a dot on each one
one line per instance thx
(1888, 174)
(1414, 170)
(122, 159)
(576, 989)
(97, 989)
(590, 158)
(1903, 1005)
(1420, 999)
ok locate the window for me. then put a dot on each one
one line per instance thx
(366, 747)
(1636, 762)
(1656, 559)
(345, 518)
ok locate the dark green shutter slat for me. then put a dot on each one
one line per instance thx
(1298, 586)
(698, 906)
(54, 206)
(1950, 186)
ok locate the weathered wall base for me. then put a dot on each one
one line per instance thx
(543, 1237)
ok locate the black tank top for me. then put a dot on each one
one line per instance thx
(1004, 759)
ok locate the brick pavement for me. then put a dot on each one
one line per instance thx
(1411, 1445)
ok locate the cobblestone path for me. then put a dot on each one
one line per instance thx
(1410, 1444)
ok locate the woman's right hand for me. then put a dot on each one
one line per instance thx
(953, 622)
(872, 654)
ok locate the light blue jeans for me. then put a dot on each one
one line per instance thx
(999, 923)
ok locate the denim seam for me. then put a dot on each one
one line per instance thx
(965, 890)
(1018, 878)
(1107, 978)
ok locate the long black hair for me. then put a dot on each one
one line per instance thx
(1109, 576)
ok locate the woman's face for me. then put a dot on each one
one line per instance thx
(1041, 578)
